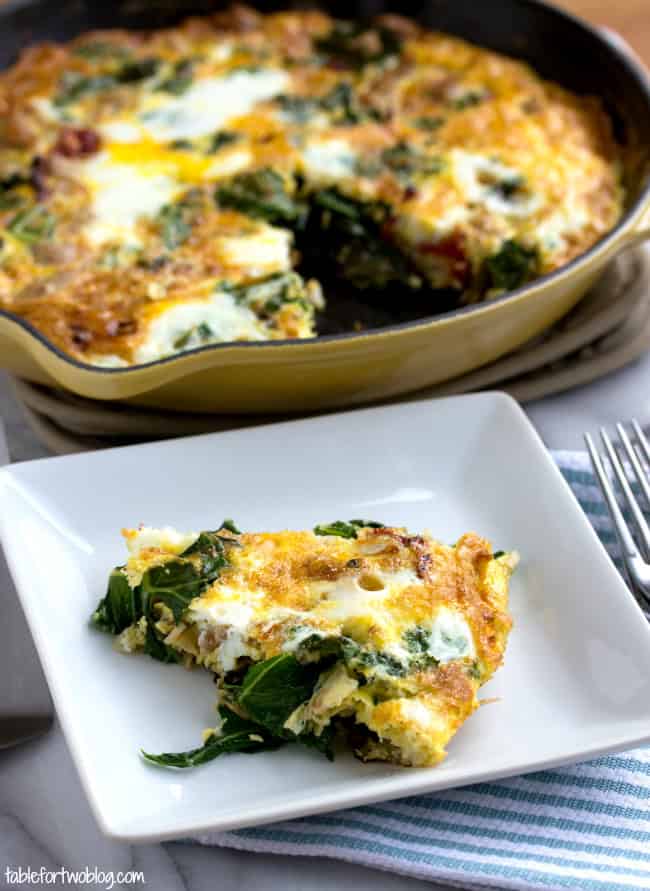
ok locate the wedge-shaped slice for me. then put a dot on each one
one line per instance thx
(355, 629)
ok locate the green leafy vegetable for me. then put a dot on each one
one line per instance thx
(269, 294)
(405, 161)
(121, 605)
(231, 526)
(140, 69)
(332, 200)
(33, 224)
(177, 582)
(497, 554)
(8, 197)
(220, 140)
(175, 220)
(299, 108)
(511, 267)
(158, 649)
(269, 693)
(323, 743)
(273, 689)
(354, 45)
(181, 144)
(200, 333)
(468, 100)
(100, 49)
(346, 530)
(237, 735)
(417, 639)
(353, 233)
(180, 79)
(508, 188)
(356, 657)
(174, 583)
(429, 123)
(262, 194)
(74, 86)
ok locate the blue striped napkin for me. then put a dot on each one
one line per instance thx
(586, 826)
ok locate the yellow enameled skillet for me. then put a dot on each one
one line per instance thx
(348, 369)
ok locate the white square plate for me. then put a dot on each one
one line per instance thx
(576, 680)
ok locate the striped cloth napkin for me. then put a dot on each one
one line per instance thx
(586, 826)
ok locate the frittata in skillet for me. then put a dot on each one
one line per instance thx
(165, 190)
(355, 630)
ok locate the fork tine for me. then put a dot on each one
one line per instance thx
(630, 550)
(641, 437)
(634, 461)
(628, 494)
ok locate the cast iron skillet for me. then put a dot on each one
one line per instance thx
(556, 44)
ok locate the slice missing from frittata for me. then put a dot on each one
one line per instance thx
(357, 631)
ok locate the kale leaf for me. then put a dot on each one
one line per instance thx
(468, 100)
(220, 139)
(120, 607)
(405, 162)
(174, 583)
(158, 649)
(341, 102)
(511, 266)
(177, 582)
(346, 530)
(323, 743)
(418, 641)
(426, 122)
(180, 79)
(8, 197)
(354, 45)
(33, 224)
(269, 294)
(269, 693)
(237, 735)
(175, 220)
(353, 233)
(138, 70)
(73, 86)
(273, 689)
(262, 194)
(196, 335)
(99, 49)
(332, 200)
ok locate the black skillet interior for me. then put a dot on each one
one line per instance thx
(557, 46)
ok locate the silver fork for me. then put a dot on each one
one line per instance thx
(635, 545)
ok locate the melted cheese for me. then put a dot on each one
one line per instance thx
(329, 160)
(121, 195)
(225, 320)
(263, 252)
(205, 107)
(166, 539)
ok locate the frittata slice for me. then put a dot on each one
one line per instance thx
(355, 629)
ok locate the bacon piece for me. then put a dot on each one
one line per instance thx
(77, 142)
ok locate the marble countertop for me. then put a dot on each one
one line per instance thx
(45, 820)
